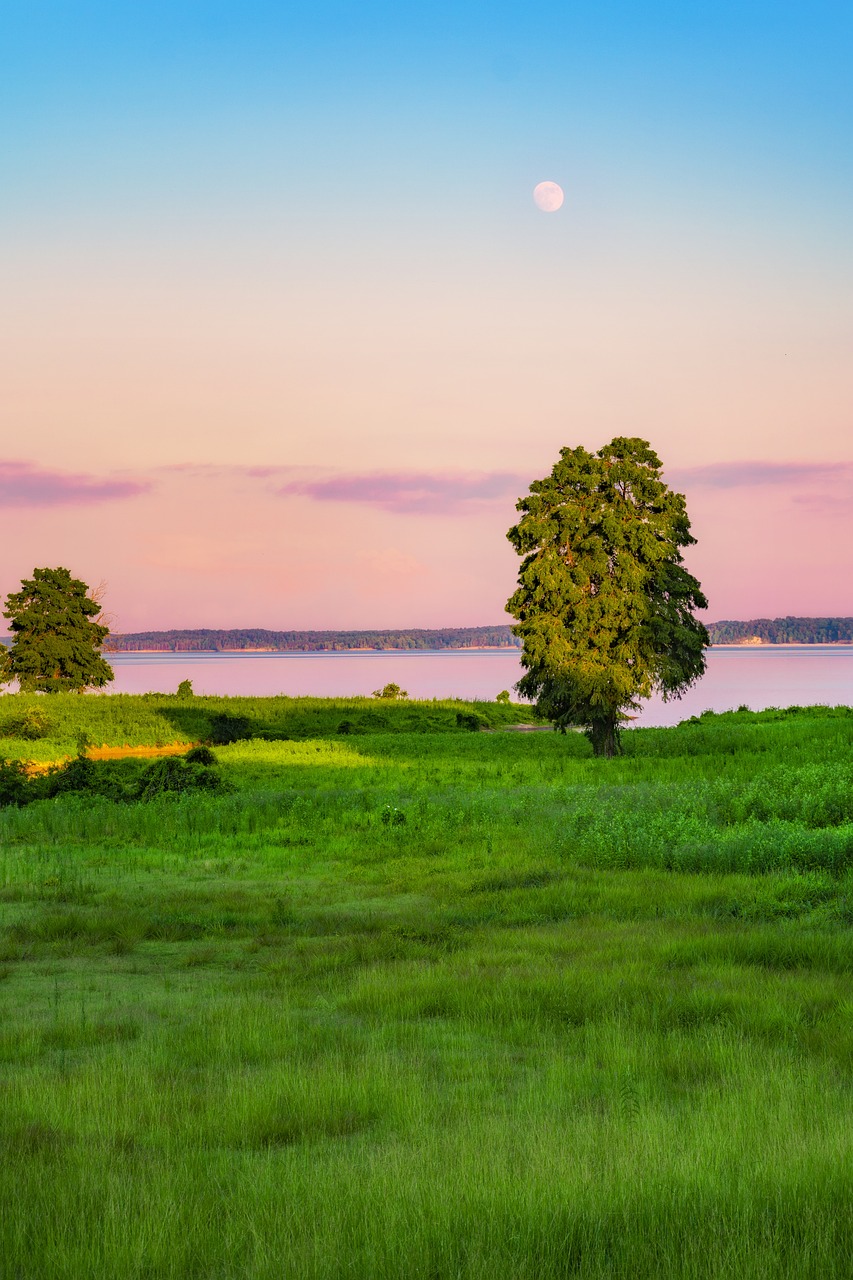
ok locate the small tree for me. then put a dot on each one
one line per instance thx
(56, 635)
(391, 692)
(604, 605)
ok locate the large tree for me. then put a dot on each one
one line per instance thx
(56, 635)
(604, 604)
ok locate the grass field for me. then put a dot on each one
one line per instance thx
(411, 1001)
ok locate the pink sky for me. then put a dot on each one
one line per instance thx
(248, 449)
(283, 358)
(279, 547)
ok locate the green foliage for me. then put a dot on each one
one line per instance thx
(390, 692)
(503, 697)
(13, 782)
(185, 689)
(30, 725)
(119, 781)
(471, 721)
(784, 631)
(176, 775)
(225, 728)
(110, 780)
(56, 638)
(543, 1027)
(604, 605)
(254, 638)
(158, 718)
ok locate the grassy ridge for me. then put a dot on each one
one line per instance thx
(451, 1005)
(157, 719)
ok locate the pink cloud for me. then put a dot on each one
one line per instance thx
(171, 559)
(24, 485)
(445, 493)
(739, 475)
(422, 493)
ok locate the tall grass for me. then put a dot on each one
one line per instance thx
(158, 719)
(565, 1018)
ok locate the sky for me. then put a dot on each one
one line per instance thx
(284, 337)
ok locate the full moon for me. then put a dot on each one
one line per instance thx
(548, 196)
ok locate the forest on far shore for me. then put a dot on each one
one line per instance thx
(499, 637)
(766, 630)
(783, 631)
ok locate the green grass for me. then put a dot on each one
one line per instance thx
(157, 718)
(568, 1018)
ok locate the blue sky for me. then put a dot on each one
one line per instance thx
(728, 91)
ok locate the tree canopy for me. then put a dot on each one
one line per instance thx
(604, 606)
(56, 635)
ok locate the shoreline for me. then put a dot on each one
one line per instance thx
(310, 653)
(314, 653)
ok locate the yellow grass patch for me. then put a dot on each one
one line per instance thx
(35, 767)
(118, 753)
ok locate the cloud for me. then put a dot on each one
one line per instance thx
(24, 485)
(742, 475)
(422, 493)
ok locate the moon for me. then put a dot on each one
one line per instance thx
(548, 196)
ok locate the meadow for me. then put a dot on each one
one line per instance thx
(406, 1000)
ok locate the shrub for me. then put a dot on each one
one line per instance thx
(31, 725)
(14, 784)
(470, 720)
(503, 697)
(185, 689)
(111, 780)
(174, 775)
(122, 781)
(390, 691)
(200, 755)
(225, 729)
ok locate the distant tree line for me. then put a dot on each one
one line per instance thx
(497, 637)
(784, 631)
(769, 631)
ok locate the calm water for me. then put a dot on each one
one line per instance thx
(772, 676)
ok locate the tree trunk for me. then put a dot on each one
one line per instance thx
(604, 736)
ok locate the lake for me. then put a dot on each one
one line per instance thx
(769, 676)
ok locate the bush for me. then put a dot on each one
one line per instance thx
(391, 692)
(470, 720)
(185, 689)
(112, 780)
(31, 725)
(175, 775)
(14, 783)
(225, 729)
(122, 781)
(345, 726)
